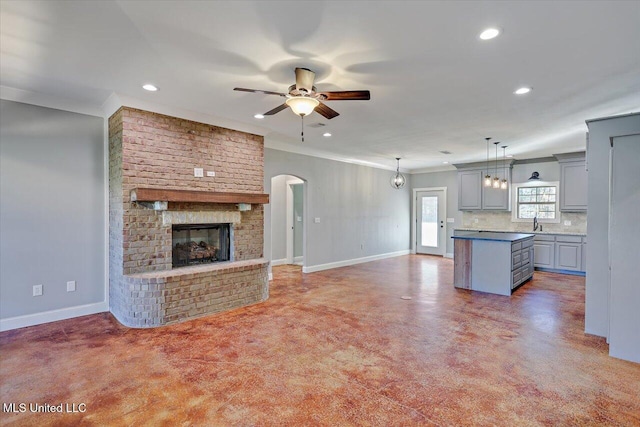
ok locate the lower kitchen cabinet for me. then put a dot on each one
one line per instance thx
(560, 252)
(544, 248)
(569, 253)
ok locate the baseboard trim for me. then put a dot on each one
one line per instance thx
(348, 262)
(298, 259)
(448, 255)
(275, 262)
(554, 270)
(52, 316)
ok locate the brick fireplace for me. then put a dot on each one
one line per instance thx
(152, 189)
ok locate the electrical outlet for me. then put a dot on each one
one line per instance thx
(71, 286)
(567, 222)
(211, 173)
(198, 172)
(475, 220)
(37, 290)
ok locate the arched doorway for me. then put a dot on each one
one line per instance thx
(288, 225)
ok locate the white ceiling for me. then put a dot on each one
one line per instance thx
(434, 85)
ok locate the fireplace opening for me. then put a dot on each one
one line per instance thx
(200, 244)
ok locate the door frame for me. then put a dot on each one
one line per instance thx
(414, 216)
(290, 220)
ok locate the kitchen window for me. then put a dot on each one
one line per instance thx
(536, 199)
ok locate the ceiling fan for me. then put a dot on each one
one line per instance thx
(303, 98)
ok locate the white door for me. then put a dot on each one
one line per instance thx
(430, 222)
(624, 256)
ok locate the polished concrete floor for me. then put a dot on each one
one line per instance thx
(337, 348)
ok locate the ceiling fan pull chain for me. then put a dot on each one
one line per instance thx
(302, 132)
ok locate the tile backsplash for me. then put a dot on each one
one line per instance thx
(502, 221)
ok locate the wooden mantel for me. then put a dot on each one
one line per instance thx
(161, 195)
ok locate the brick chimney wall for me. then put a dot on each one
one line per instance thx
(150, 150)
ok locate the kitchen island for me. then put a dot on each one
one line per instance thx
(492, 262)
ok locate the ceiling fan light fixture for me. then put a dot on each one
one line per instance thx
(258, 116)
(302, 105)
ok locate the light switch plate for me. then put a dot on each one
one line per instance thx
(567, 222)
(37, 290)
(198, 172)
(316, 220)
(71, 286)
(451, 220)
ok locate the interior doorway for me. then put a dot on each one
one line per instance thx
(287, 220)
(430, 213)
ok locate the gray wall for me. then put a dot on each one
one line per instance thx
(298, 212)
(360, 214)
(277, 203)
(597, 283)
(52, 209)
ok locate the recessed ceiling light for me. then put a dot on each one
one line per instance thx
(522, 90)
(509, 155)
(326, 134)
(489, 33)
(446, 163)
(149, 87)
(258, 116)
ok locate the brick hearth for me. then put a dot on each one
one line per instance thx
(154, 151)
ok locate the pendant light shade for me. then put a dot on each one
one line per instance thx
(504, 184)
(487, 177)
(398, 180)
(496, 180)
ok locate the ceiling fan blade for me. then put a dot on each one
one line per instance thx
(325, 111)
(266, 92)
(304, 79)
(276, 110)
(347, 95)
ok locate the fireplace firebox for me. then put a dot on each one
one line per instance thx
(200, 244)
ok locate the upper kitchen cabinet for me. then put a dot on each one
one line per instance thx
(474, 196)
(469, 190)
(573, 182)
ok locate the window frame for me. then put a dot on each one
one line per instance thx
(529, 184)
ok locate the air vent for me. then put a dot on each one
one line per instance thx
(445, 152)
(317, 125)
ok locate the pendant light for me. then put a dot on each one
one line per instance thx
(487, 177)
(504, 184)
(397, 180)
(496, 180)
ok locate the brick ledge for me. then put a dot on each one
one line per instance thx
(199, 269)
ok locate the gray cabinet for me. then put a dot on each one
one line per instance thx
(470, 190)
(521, 262)
(560, 252)
(573, 182)
(495, 198)
(474, 196)
(569, 253)
(544, 248)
